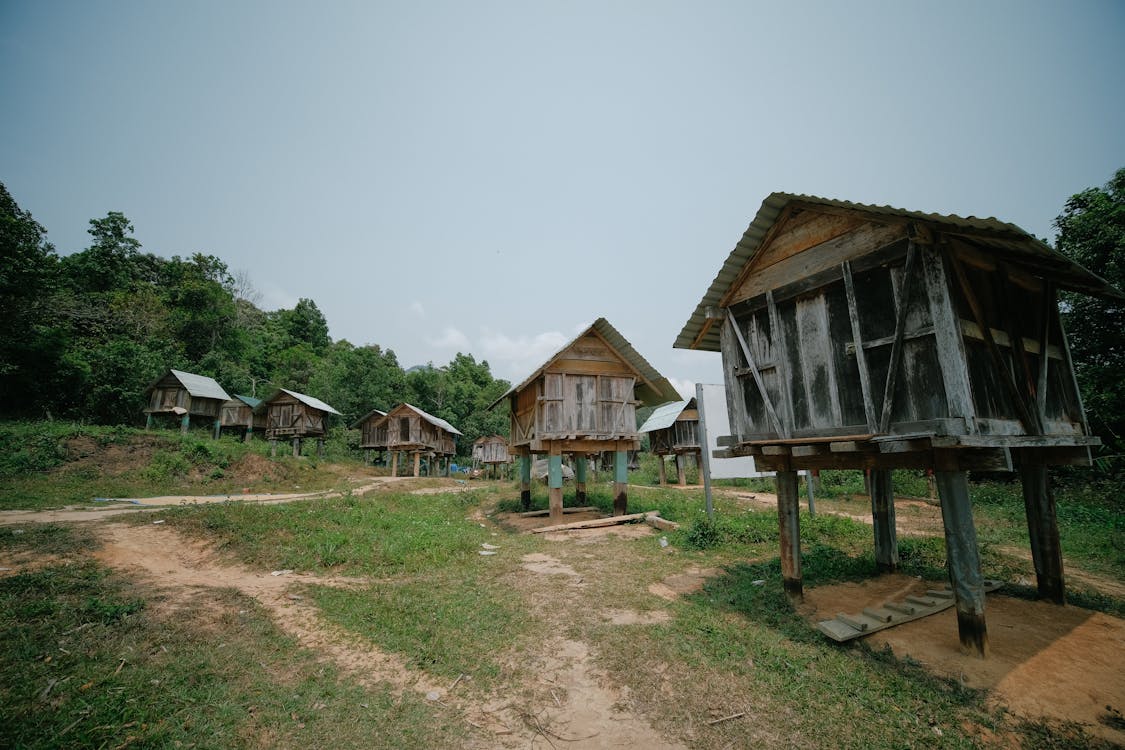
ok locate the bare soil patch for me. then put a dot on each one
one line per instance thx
(1062, 663)
(682, 584)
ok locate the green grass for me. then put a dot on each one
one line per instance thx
(435, 600)
(90, 660)
(51, 465)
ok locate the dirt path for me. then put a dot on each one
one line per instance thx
(143, 504)
(585, 711)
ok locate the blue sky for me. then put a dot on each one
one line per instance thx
(489, 177)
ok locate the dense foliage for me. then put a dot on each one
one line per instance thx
(1092, 232)
(82, 336)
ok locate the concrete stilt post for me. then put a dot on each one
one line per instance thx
(681, 470)
(525, 481)
(620, 483)
(554, 484)
(580, 479)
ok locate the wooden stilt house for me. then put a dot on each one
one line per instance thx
(185, 395)
(367, 433)
(580, 401)
(491, 451)
(238, 413)
(870, 337)
(673, 430)
(296, 417)
(408, 429)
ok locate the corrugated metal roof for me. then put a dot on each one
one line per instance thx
(315, 403)
(367, 416)
(998, 235)
(199, 386)
(664, 416)
(655, 390)
(433, 420)
(249, 400)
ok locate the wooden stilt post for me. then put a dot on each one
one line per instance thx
(273, 449)
(811, 492)
(525, 481)
(417, 463)
(883, 521)
(296, 447)
(580, 479)
(218, 426)
(554, 483)
(1043, 530)
(789, 523)
(320, 447)
(620, 483)
(662, 469)
(366, 456)
(681, 470)
(394, 463)
(148, 421)
(184, 423)
(249, 432)
(963, 559)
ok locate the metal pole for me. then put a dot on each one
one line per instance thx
(705, 451)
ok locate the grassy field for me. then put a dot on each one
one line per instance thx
(96, 658)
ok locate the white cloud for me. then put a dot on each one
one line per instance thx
(417, 309)
(274, 297)
(686, 388)
(514, 358)
(451, 338)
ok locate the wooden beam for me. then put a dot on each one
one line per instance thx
(883, 521)
(777, 329)
(900, 330)
(1043, 531)
(860, 356)
(789, 526)
(770, 412)
(993, 350)
(1049, 310)
(963, 560)
(594, 523)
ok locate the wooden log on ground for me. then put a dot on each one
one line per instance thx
(592, 523)
(663, 524)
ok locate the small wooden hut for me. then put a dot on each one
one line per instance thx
(580, 401)
(673, 430)
(185, 395)
(870, 337)
(491, 451)
(408, 429)
(239, 413)
(295, 416)
(367, 432)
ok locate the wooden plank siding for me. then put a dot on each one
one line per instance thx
(983, 378)
(403, 429)
(289, 417)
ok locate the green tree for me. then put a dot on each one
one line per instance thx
(356, 380)
(113, 259)
(1092, 232)
(33, 345)
(305, 324)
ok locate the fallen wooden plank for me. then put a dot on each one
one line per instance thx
(845, 627)
(593, 523)
(663, 524)
(547, 511)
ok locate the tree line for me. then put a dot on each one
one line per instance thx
(83, 335)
